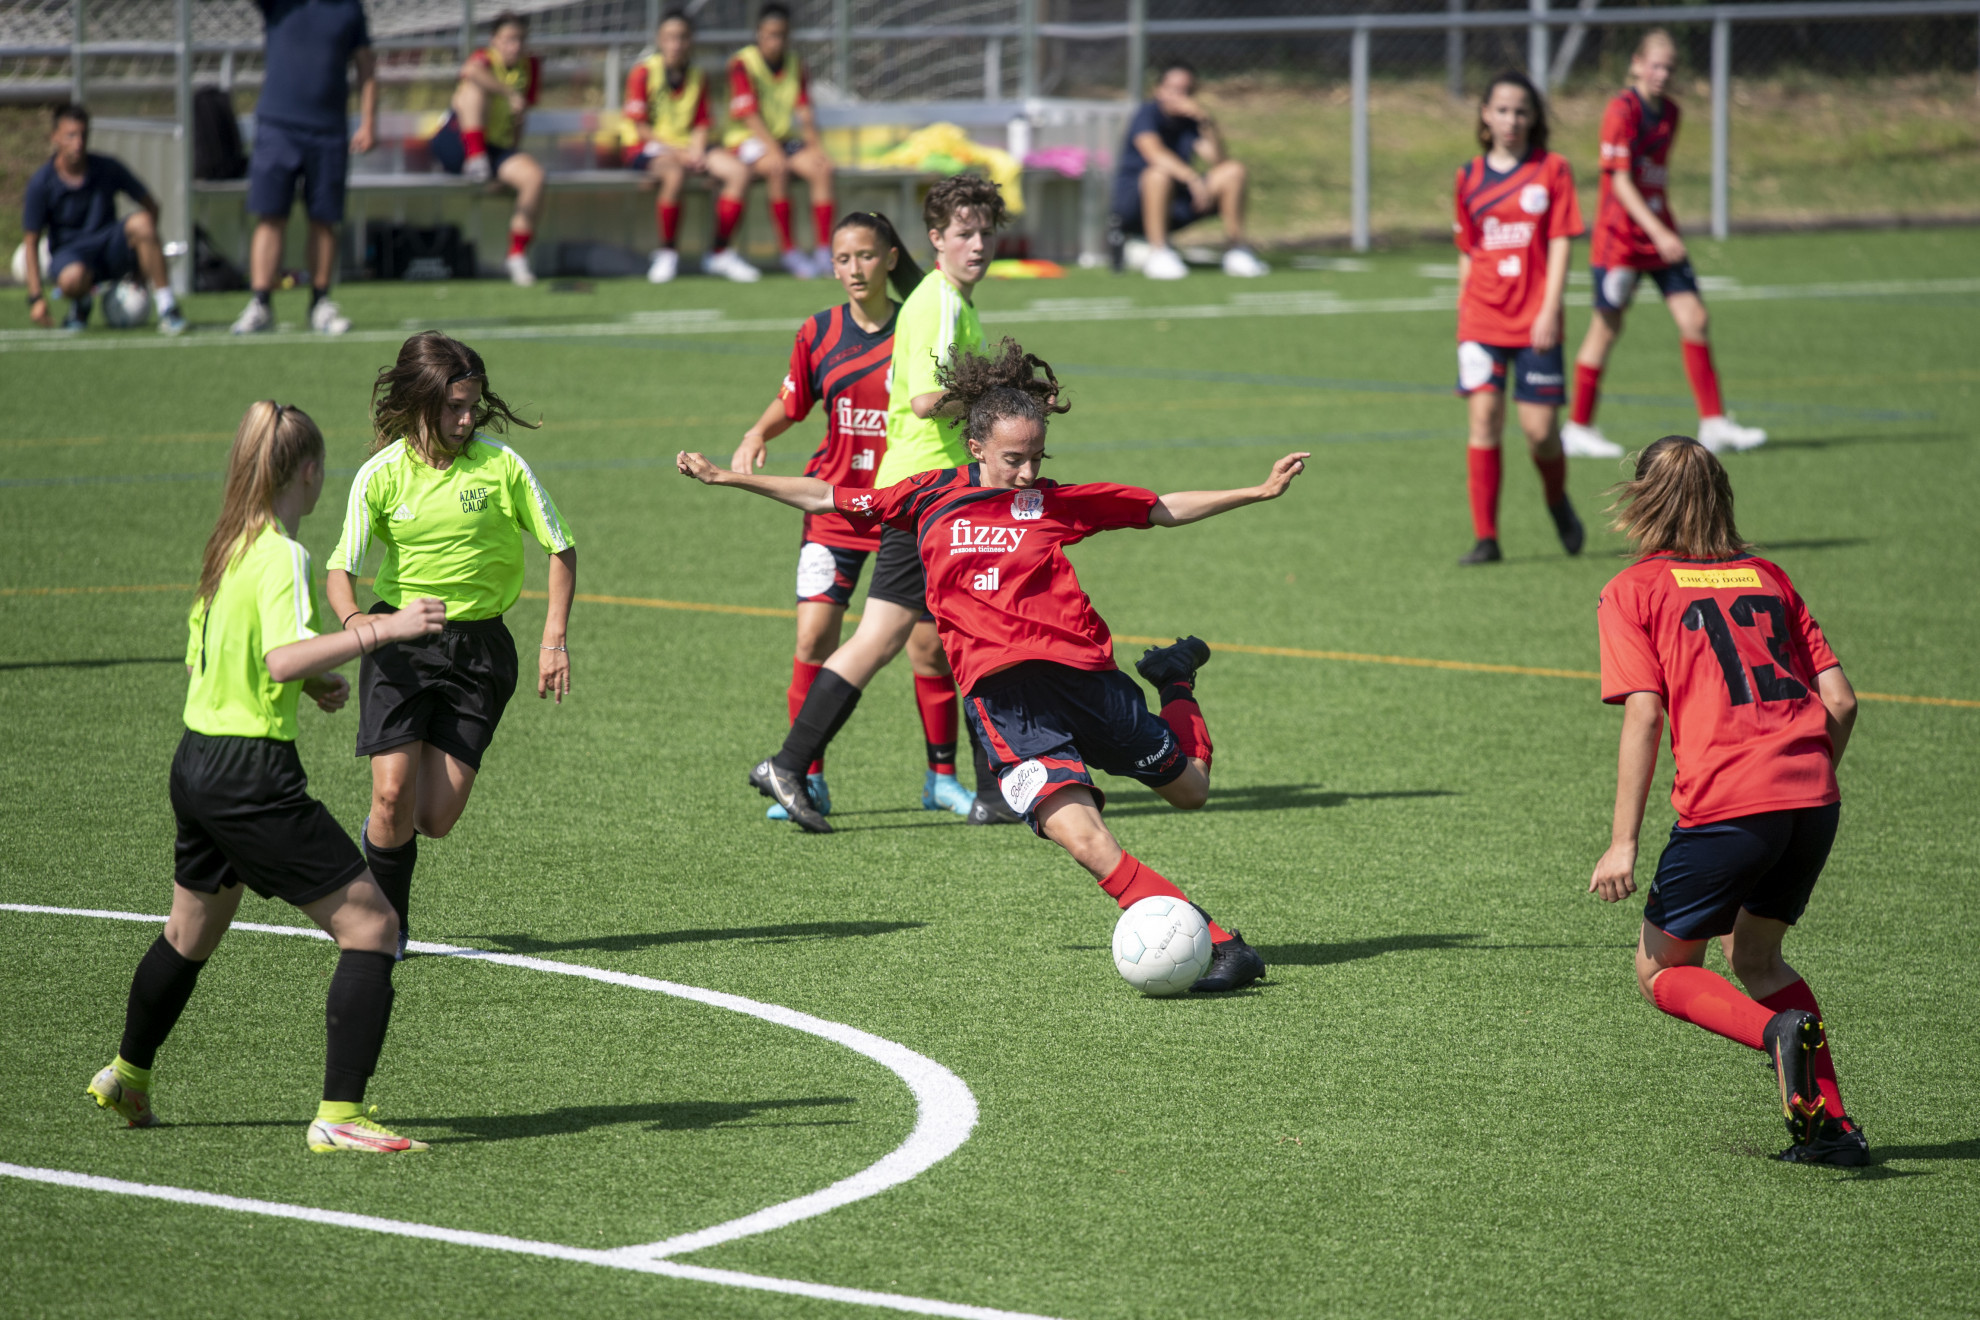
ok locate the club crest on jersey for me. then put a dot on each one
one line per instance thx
(966, 537)
(1533, 199)
(1028, 505)
(859, 421)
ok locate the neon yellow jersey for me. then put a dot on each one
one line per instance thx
(263, 601)
(934, 318)
(775, 96)
(670, 116)
(498, 121)
(456, 535)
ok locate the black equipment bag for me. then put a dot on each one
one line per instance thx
(217, 152)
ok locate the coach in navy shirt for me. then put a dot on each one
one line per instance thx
(72, 202)
(299, 138)
(1159, 188)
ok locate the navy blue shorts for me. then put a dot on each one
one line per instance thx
(106, 251)
(1537, 377)
(1182, 209)
(1616, 285)
(1044, 723)
(282, 156)
(1766, 863)
(449, 148)
(828, 574)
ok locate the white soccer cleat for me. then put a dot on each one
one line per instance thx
(797, 265)
(364, 1134)
(517, 265)
(476, 169)
(666, 265)
(1578, 441)
(255, 320)
(1164, 264)
(1722, 433)
(821, 263)
(1244, 263)
(729, 264)
(326, 319)
(1134, 254)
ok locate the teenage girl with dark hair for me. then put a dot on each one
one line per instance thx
(244, 811)
(451, 504)
(1033, 657)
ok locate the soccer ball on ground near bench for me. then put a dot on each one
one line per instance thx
(1161, 946)
(126, 304)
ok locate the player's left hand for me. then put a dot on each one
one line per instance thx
(750, 454)
(553, 673)
(329, 691)
(698, 467)
(1615, 874)
(1546, 333)
(1283, 472)
(363, 140)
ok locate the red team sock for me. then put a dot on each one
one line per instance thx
(803, 675)
(669, 215)
(1704, 379)
(1706, 999)
(1130, 882)
(1185, 720)
(1486, 472)
(519, 241)
(936, 699)
(474, 142)
(728, 214)
(1553, 477)
(1587, 388)
(780, 213)
(822, 216)
(1800, 996)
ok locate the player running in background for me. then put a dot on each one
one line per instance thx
(245, 816)
(1636, 235)
(1760, 713)
(773, 132)
(962, 213)
(1033, 657)
(1516, 218)
(450, 504)
(481, 137)
(841, 359)
(667, 125)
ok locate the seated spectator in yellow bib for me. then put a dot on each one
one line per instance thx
(481, 137)
(772, 130)
(1158, 186)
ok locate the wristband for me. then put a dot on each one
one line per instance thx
(34, 298)
(352, 615)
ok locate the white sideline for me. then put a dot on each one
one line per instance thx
(945, 1114)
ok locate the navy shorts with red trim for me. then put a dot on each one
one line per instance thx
(1616, 285)
(828, 574)
(1537, 377)
(1767, 863)
(1043, 724)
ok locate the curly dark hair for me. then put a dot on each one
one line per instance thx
(990, 389)
(1536, 137)
(409, 396)
(964, 192)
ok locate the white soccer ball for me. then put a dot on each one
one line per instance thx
(126, 304)
(1161, 946)
(20, 260)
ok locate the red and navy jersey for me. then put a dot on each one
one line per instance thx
(1504, 223)
(999, 584)
(1637, 140)
(836, 363)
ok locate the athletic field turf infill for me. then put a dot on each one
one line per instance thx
(644, 1012)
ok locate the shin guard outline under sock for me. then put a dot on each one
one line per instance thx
(827, 707)
(1800, 996)
(1706, 999)
(1132, 880)
(1486, 472)
(1704, 379)
(354, 1017)
(1587, 389)
(160, 987)
(935, 699)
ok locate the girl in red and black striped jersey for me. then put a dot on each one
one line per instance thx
(1029, 650)
(841, 359)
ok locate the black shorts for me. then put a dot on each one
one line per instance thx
(897, 575)
(1616, 285)
(1767, 863)
(828, 574)
(1044, 723)
(245, 816)
(448, 690)
(284, 156)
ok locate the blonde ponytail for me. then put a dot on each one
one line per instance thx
(270, 448)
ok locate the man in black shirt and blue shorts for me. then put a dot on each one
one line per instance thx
(1158, 188)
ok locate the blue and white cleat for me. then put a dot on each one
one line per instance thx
(945, 793)
(820, 797)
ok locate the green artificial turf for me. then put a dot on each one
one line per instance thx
(1447, 1100)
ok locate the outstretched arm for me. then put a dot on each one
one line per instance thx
(1190, 506)
(806, 493)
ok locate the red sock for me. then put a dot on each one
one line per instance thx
(670, 222)
(1553, 478)
(1704, 379)
(728, 214)
(822, 216)
(1185, 719)
(1486, 472)
(1708, 1000)
(780, 214)
(474, 142)
(803, 675)
(519, 241)
(1587, 387)
(1800, 996)
(1130, 882)
(936, 699)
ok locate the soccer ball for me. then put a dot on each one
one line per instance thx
(126, 304)
(1161, 946)
(20, 260)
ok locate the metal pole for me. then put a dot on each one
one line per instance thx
(613, 82)
(181, 270)
(467, 29)
(1721, 119)
(1027, 49)
(993, 69)
(1137, 49)
(652, 17)
(1454, 55)
(1536, 46)
(842, 46)
(1358, 64)
(78, 83)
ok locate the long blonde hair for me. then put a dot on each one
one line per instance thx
(270, 448)
(1679, 502)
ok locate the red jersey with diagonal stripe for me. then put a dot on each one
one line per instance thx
(1636, 140)
(1504, 223)
(836, 363)
(999, 584)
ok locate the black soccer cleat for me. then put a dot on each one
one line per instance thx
(992, 811)
(1485, 552)
(1568, 524)
(1163, 665)
(1836, 1141)
(1233, 965)
(1791, 1038)
(792, 793)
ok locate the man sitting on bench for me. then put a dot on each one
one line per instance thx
(1158, 187)
(772, 130)
(483, 129)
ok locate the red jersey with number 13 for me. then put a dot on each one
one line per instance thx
(836, 363)
(1730, 647)
(1638, 141)
(1504, 223)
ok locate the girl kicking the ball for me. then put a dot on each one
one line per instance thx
(245, 816)
(1033, 657)
(450, 504)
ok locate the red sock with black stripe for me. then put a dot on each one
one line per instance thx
(1706, 999)
(1587, 388)
(1800, 996)
(935, 698)
(803, 675)
(1185, 720)
(728, 214)
(1130, 882)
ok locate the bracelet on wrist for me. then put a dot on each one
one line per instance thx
(564, 649)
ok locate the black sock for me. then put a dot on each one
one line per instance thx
(160, 988)
(392, 868)
(317, 295)
(987, 787)
(826, 709)
(359, 1006)
(262, 295)
(1178, 692)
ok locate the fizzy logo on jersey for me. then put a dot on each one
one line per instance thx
(474, 499)
(1533, 199)
(859, 421)
(1497, 233)
(969, 538)
(1028, 505)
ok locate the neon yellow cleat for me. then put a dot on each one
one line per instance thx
(361, 1133)
(130, 1104)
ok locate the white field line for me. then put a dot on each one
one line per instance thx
(642, 325)
(945, 1115)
